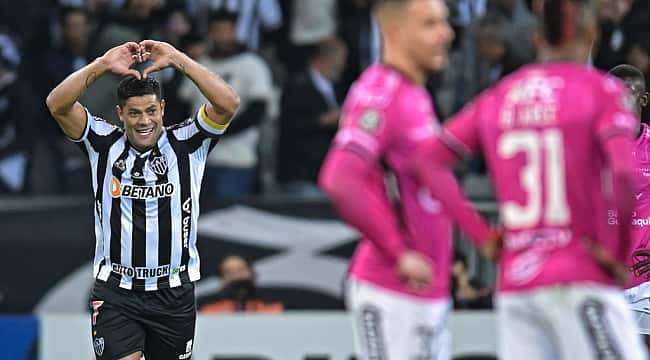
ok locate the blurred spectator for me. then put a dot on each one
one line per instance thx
(488, 56)
(638, 52)
(231, 170)
(521, 25)
(238, 290)
(67, 56)
(312, 21)
(134, 22)
(253, 16)
(17, 116)
(176, 28)
(360, 32)
(467, 292)
(611, 48)
(310, 111)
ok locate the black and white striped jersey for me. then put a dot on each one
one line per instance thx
(147, 204)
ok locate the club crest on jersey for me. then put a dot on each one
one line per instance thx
(120, 165)
(370, 120)
(98, 345)
(158, 164)
(140, 192)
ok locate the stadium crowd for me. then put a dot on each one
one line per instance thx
(291, 61)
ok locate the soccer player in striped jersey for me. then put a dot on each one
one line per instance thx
(638, 290)
(146, 183)
(558, 140)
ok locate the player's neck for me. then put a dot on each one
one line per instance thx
(404, 66)
(564, 54)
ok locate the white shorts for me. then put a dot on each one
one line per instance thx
(588, 321)
(388, 325)
(638, 299)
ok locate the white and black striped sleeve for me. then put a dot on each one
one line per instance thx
(95, 125)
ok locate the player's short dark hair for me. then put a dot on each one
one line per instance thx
(64, 11)
(627, 72)
(131, 86)
(222, 15)
(561, 19)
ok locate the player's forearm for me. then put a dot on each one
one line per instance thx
(369, 211)
(431, 164)
(619, 150)
(223, 99)
(62, 98)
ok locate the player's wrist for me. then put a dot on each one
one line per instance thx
(100, 65)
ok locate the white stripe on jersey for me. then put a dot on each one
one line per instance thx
(197, 167)
(127, 223)
(151, 206)
(177, 240)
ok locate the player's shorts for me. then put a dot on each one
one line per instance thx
(587, 321)
(158, 323)
(394, 326)
(638, 299)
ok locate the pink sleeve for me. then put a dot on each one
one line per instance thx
(431, 165)
(615, 127)
(619, 150)
(460, 134)
(360, 201)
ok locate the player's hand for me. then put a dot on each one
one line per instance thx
(491, 249)
(120, 59)
(162, 54)
(330, 118)
(416, 269)
(641, 262)
(614, 268)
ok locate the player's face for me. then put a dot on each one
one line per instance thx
(427, 34)
(637, 88)
(143, 120)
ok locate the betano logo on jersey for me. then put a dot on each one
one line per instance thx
(140, 192)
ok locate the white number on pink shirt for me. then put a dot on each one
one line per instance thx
(545, 147)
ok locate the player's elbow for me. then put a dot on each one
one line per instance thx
(53, 105)
(232, 103)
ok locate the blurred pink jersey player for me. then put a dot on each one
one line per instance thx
(398, 290)
(557, 139)
(638, 290)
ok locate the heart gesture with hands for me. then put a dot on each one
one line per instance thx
(120, 59)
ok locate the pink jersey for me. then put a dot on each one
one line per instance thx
(385, 117)
(543, 131)
(641, 220)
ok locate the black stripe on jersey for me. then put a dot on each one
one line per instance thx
(102, 164)
(101, 143)
(139, 217)
(116, 218)
(164, 224)
(181, 148)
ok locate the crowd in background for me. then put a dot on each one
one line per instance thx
(291, 61)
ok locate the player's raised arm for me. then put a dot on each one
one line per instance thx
(224, 101)
(63, 101)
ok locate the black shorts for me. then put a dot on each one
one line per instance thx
(159, 323)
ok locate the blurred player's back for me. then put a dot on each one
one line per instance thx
(541, 134)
